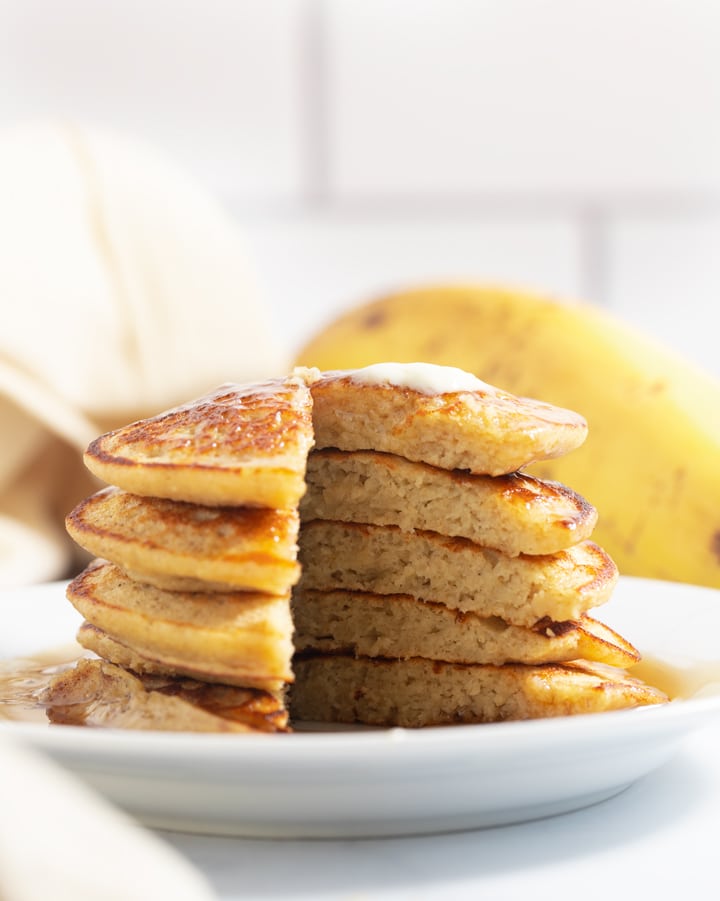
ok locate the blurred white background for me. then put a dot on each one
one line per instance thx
(572, 146)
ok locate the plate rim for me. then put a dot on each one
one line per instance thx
(113, 742)
(350, 783)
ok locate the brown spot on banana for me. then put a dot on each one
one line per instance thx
(375, 319)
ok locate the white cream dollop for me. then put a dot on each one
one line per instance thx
(426, 378)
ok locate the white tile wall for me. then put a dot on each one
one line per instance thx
(665, 277)
(217, 83)
(313, 266)
(366, 144)
(525, 98)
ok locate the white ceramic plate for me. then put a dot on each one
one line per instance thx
(387, 782)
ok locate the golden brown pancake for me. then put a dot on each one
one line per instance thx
(242, 445)
(417, 692)
(456, 572)
(515, 513)
(439, 583)
(237, 638)
(487, 432)
(397, 625)
(188, 547)
(96, 693)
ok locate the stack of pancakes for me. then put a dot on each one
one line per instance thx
(197, 548)
(439, 584)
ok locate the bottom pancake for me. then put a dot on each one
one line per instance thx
(96, 693)
(418, 692)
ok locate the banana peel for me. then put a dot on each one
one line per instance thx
(651, 463)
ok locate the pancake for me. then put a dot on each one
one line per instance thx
(236, 638)
(417, 692)
(398, 626)
(513, 513)
(100, 694)
(455, 572)
(187, 547)
(242, 445)
(485, 431)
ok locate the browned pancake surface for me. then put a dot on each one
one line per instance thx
(236, 638)
(96, 693)
(181, 546)
(240, 445)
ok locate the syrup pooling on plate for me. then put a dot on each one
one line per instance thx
(55, 687)
(680, 682)
(24, 680)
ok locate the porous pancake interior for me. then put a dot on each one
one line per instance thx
(439, 584)
(417, 692)
(456, 572)
(514, 513)
(486, 432)
(400, 626)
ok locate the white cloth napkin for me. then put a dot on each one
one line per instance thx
(124, 289)
(61, 841)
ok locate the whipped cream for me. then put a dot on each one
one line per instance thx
(426, 378)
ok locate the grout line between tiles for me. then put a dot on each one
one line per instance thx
(593, 255)
(318, 201)
(314, 78)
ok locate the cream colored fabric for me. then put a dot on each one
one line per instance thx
(60, 840)
(124, 289)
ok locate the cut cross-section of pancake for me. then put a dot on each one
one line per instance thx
(242, 445)
(456, 572)
(399, 626)
(452, 423)
(180, 546)
(238, 638)
(513, 513)
(434, 581)
(96, 693)
(417, 692)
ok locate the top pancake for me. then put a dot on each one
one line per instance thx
(240, 445)
(484, 431)
(417, 692)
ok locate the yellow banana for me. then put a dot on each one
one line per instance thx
(651, 463)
